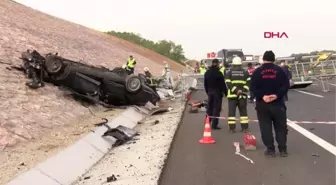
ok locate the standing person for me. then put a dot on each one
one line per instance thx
(269, 84)
(202, 69)
(222, 68)
(250, 69)
(214, 85)
(196, 69)
(131, 62)
(237, 81)
(288, 72)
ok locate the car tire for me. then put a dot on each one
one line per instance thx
(133, 83)
(54, 64)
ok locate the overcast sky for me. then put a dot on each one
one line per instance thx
(205, 26)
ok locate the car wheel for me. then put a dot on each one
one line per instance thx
(133, 83)
(53, 64)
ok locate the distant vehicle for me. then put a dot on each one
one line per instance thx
(208, 61)
(228, 54)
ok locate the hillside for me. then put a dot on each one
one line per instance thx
(26, 113)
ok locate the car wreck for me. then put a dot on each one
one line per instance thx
(94, 84)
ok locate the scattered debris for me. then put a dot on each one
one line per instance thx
(311, 128)
(315, 155)
(111, 178)
(101, 123)
(121, 133)
(86, 178)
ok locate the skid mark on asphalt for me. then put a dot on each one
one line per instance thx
(324, 144)
(308, 93)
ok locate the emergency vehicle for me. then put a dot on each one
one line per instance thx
(227, 55)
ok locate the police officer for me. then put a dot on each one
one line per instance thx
(237, 80)
(214, 85)
(130, 64)
(202, 69)
(222, 69)
(269, 84)
(288, 72)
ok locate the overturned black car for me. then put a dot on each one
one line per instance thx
(98, 85)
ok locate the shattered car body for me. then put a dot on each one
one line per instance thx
(98, 85)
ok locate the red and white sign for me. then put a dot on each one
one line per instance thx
(211, 55)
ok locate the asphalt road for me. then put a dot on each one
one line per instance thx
(190, 163)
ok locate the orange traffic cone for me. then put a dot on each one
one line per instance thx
(207, 139)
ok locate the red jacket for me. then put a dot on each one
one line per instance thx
(250, 70)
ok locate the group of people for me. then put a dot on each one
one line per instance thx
(269, 84)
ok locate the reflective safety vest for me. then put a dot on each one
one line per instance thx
(222, 69)
(237, 79)
(131, 63)
(202, 70)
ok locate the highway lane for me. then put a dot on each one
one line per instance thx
(307, 107)
(190, 163)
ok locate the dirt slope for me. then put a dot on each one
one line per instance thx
(25, 113)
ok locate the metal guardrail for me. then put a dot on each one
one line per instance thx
(322, 72)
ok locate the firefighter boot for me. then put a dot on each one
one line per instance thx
(244, 124)
(232, 127)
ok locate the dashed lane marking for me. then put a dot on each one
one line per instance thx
(308, 93)
(324, 144)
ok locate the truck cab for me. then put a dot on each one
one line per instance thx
(228, 54)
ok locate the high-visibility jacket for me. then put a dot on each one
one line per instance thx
(131, 63)
(202, 70)
(237, 79)
(222, 69)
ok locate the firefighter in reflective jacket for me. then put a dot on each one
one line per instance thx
(130, 64)
(202, 69)
(237, 81)
(149, 77)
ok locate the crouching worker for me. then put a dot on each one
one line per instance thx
(214, 85)
(149, 79)
(237, 80)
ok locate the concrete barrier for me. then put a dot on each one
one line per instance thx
(70, 164)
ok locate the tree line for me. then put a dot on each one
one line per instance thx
(166, 48)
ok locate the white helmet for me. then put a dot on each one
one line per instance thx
(237, 61)
(146, 69)
(123, 66)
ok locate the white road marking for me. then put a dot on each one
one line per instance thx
(324, 144)
(312, 94)
(332, 84)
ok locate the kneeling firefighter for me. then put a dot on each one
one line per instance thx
(237, 81)
(150, 80)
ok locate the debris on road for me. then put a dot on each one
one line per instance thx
(111, 178)
(139, 163)
(121, 133)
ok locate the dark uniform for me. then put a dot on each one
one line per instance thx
(215, 88)
(237, 80)
(289, 75)
(271, 80)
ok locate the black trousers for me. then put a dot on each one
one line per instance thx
(273, 115)
(242, 107)
(214, 107)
